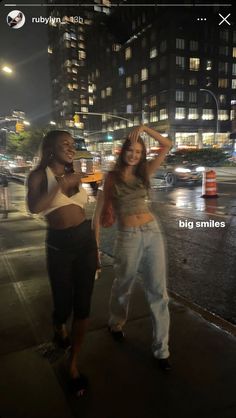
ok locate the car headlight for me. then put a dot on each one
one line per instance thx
(182, 170)
(200, 169)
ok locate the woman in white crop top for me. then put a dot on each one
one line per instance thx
(55, 191)
(139, 247)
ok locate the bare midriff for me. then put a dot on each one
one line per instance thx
(66, 217)
(136, 219)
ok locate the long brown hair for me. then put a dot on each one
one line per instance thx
(141, 168)
(48, 149)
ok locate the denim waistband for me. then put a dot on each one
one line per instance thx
(144, 227)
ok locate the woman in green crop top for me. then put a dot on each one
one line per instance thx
(139, 243)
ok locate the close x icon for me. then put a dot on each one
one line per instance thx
(224, 19)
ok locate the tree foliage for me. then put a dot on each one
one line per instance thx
(25, 144)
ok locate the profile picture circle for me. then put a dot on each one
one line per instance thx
(15, 19)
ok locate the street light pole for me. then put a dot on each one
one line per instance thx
(104, 113)
(217, 110)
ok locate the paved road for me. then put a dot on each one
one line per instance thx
(201, 256)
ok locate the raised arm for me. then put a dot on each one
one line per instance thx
(164, 142)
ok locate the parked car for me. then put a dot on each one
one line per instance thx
(172, 172)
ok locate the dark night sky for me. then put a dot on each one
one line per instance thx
(25, 49)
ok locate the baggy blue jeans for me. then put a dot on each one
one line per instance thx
(141, 250)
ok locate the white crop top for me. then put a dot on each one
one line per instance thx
(60, 199)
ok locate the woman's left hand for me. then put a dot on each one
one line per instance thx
(135, 133)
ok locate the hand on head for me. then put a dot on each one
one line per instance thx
(135, 134)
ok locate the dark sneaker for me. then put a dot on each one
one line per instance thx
(117, 335)
(164, 364)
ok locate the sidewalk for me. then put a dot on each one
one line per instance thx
(124, 380)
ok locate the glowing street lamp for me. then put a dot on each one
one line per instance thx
(6, 69)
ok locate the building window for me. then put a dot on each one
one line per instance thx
(163, 46)
(234, 83)
(153, 52)
(144, 88)
(163, 114)
(223, 67)
(163, 63)
(193, 45)
(180, 113)
(153, 68)
(234, 52)
(180, 81)
(135, 78)
(222, 99)
(224, 35)
(223, 115)
(163, 97)
(103, 94)
(179, 95)
(128, 82)
(81, 55)
(153, 117)
(128, 53)
(224, 50)
(192, 113)
(129, 108)
(180, 43)
(153, 101)
(66, 36)
(144, 74)
(128, 94)
(223, 83)
(121, 71)
(209, 65)
(194, 64)
(109, 91)
(192, 97)
(234, 69)
(192, 81)
(50, 51)
(207, 114)
(180, 62)
(144, 42)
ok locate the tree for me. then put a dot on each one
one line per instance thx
(25, 144)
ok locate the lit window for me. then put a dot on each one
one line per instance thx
(73, 44)
(194, 64)
(81, 55)
(84, 109)
(81, 45)
(121, 71)
(90, 101)
(144, 74)
(180, 43)
(234, 83)
(207, 114)
(163, 114)
(180, 62)
(128, 53)
(128, 82)
(75, 62)
(50, 51)
(209, 65)
(66, 36)
(144, 89)
(193, 45)
(90, 88)
(153, 52)
(223, 82)
(234, 69)
(75, 86)
(153, 117)
(179, 95)
(109, 91)
(70, 87)
(192, 113)
(103, 94)
(234, 52)
(222, 98)
(153, 101)
(179, 113)
(223, 115)
(129, 108)
(67, 63)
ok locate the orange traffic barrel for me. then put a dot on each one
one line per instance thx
(209, 188)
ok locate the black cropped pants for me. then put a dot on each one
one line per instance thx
(72, 264)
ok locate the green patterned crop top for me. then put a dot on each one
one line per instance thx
(130, 198)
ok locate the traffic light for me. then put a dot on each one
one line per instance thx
(109, 137)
